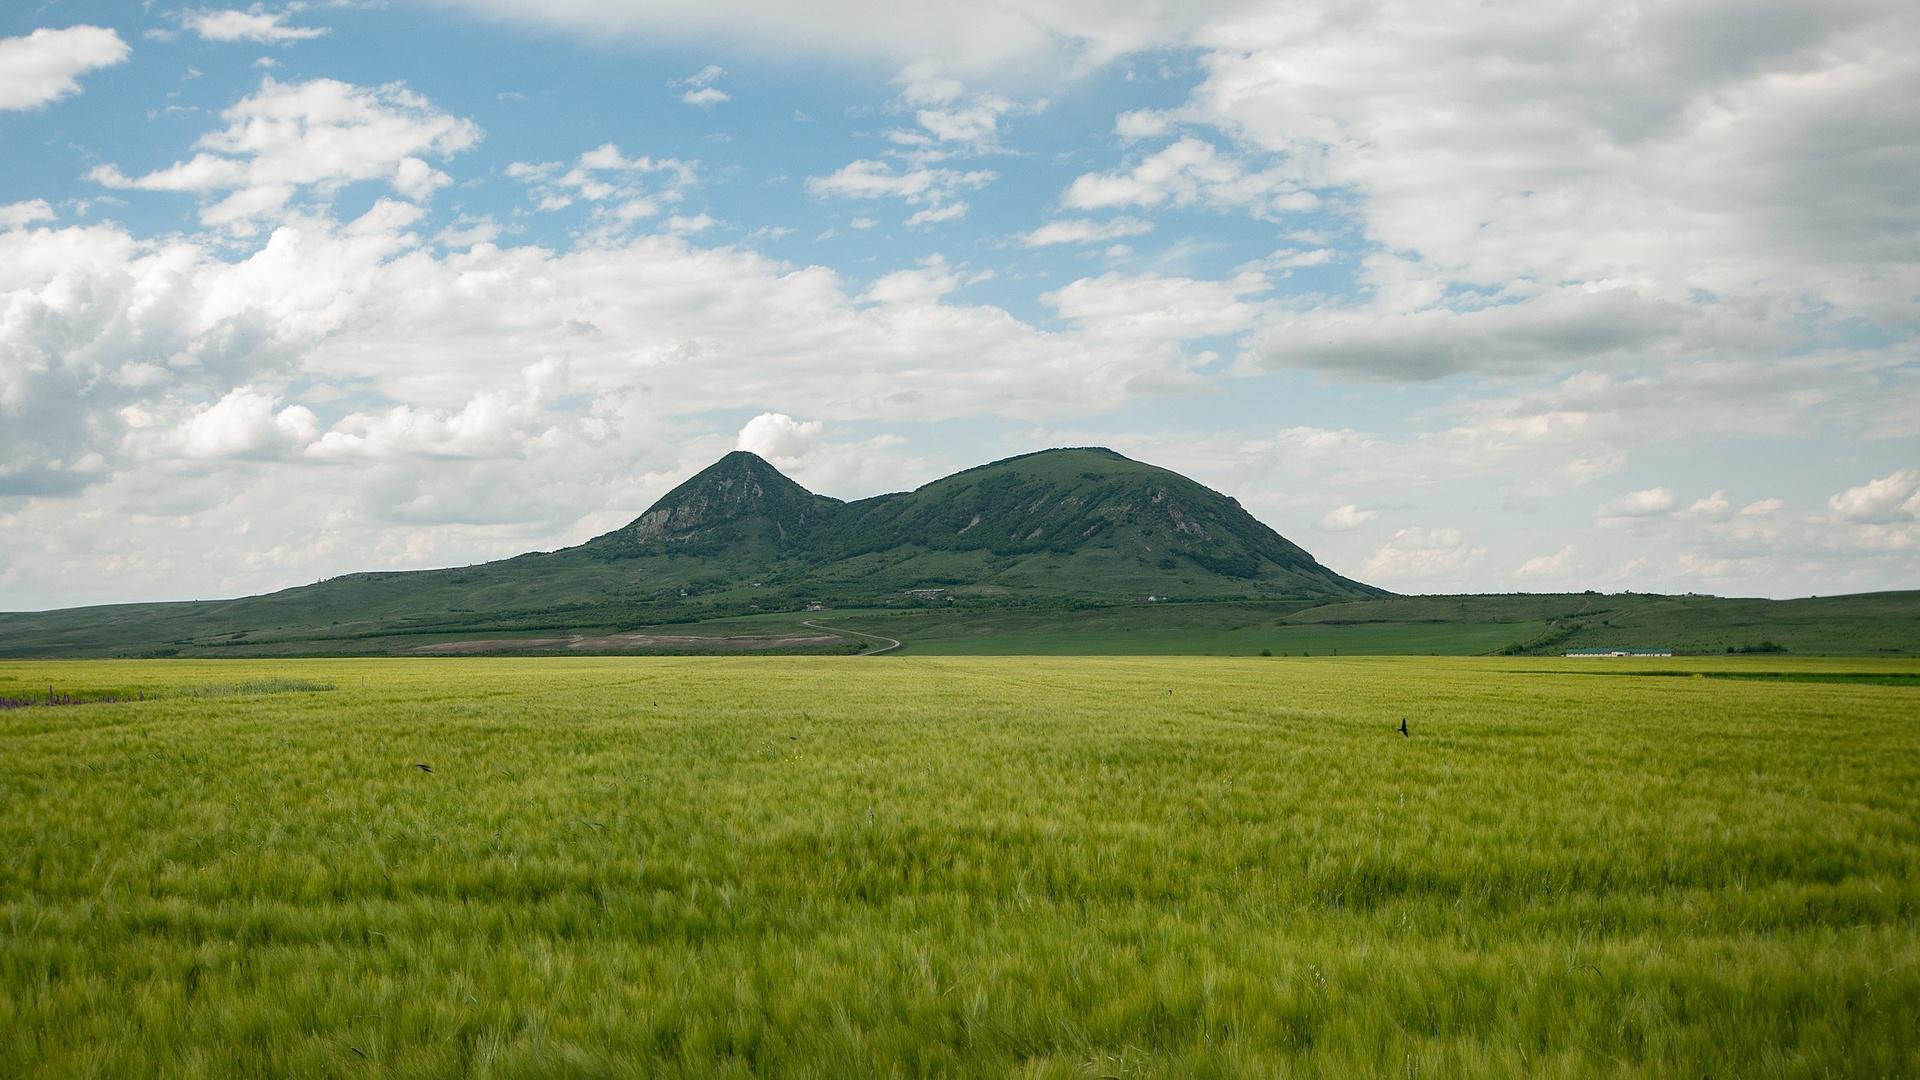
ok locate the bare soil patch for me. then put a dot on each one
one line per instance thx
(587, 643)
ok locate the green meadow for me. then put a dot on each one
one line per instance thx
(997, 866)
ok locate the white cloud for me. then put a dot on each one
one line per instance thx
(1714, 507)
(319, 135)
(94, 322)
(1043, 37)
(1763, 507)
(418, 180)
(1891, 498)
(1556, 565)
(45, 65)
(949, 115)
(491, 424)
(1650, 503)
(933, 279)
(699, 87)
(682, 225)
(1346, 518)
(604, 175)
(1547, 330)
(706, 76)
(1580, 144)
(256, 24)
(1421, 555)
(1142, 124)
(21, 214)
(1084, 231)
(1585, 470)
(1588, 144)
(1192, 171)
(1153, 307)
(246, 424)
(943, 212)
(778, 437)
(977, 123)
(934, 189)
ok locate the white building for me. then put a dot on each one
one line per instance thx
(1592, 654)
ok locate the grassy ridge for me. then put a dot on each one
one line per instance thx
(1034, 866)
(1872, 624)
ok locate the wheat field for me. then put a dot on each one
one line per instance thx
(1000, 866)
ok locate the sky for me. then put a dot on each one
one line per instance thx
(1461, 297)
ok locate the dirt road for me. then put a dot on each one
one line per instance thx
(891, 643)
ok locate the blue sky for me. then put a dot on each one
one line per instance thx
(1457, 298)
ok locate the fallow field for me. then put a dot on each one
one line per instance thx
(830, 866)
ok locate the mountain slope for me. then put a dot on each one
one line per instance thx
(739, 503)
(1110, 525)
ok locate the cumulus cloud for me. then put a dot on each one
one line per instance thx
(256, 24)
(1763, 507)
(1346, 518)
(418, 180)
(1422, 555)
(1583, 144)
(21, 214)
(247, 424)
(1585, 470)
(317, 136)
(698, 88)
(1714, 507)
(943, 212)
(97, 323)
(46, 65)
(490, 424)
(951, 118)
(933, 189)
(1555, 565)
(1551, 329)
(1193, 171)
(1043, 37)
(1153, 307)
(1891, 498)
(1650, 503)
(1084, 231)
(778, 437)
(603, 175)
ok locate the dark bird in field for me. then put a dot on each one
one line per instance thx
(423, 768)
(1403, 728)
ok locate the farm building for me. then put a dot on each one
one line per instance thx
(1588, 654)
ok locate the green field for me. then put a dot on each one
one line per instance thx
(997, 866)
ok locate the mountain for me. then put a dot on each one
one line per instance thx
(1058, 528)
(1087, 521)
(740, 501)
(1059, 524)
